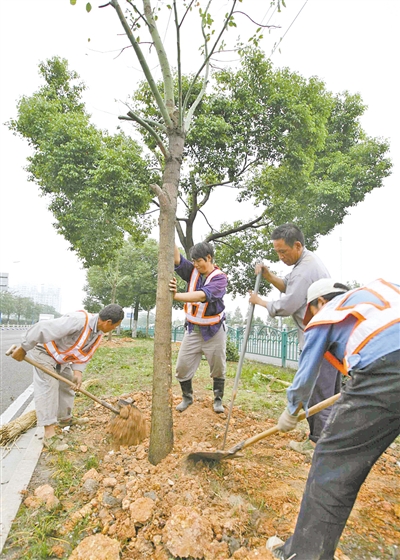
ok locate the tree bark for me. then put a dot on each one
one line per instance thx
(135, 319)
(161, 435)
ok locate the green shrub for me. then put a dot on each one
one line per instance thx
(141, 334)
(232, 353)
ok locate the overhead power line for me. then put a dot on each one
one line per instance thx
(287, 30)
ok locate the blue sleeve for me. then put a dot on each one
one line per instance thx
(315, 346)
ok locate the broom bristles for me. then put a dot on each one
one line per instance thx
(11, 431)
(129, 427)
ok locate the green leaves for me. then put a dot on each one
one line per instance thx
(88, 6)
(97, 184)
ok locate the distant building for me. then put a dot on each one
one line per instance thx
(44, 294)
(3, 280)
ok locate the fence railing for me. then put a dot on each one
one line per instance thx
(279, 344)
(14, 327)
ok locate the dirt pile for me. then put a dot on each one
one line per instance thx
(184, 510)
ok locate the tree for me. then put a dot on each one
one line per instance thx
(130, 280)
(271, 157)
(236, 319)
(7, 304)
(168, 128)
(96, 183)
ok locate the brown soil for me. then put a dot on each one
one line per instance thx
(245, 499)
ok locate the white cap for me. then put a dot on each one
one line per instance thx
(320, 288)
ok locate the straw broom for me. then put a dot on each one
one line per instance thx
(129, 427)
(11, 431)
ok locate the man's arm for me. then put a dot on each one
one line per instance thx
(270, 277)
(315, 346)
(52, 329)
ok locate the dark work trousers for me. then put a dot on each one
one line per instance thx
(363, 423)
(328, 383)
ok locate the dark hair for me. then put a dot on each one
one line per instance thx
(201, 250)
(113, 312)
(332, 295)
(289, 233)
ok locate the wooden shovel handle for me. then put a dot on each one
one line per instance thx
(64, 380)
(311, 411)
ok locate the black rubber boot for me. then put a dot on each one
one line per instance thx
(219, 385)
(187, 395)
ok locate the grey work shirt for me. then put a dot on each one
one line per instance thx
(308, 269)
(65, 331)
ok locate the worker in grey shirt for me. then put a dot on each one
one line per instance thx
(288, 241)
(64, 345)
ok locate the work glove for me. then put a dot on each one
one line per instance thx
(287, 421)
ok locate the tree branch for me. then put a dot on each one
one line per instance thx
(179, 63)
(206, 60)
(163, 59)
(258, 24)
(143, 64)
(157, 189)
(133, 117)
(236, 229)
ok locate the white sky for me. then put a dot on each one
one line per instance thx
(350, 44)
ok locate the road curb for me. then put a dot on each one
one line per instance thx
(21, 461)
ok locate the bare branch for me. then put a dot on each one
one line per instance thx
(207, 222)
(163, 60)
(206, 60)
(143, 63)
(157, 189)
(258, 24)
(134, 117)
(253, 224)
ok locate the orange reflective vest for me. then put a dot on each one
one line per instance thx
(196, 312)
(75, 354)
(369, 322)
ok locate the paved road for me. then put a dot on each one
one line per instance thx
(15, 377)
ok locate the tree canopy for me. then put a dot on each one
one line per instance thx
(288, 145)
(96, 183)
(130, 280)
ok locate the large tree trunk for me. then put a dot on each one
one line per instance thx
(161, 435)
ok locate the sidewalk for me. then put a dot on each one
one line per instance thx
(17, 464)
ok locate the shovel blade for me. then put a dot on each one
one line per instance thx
(209, 456)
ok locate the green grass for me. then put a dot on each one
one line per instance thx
(119, 370)
(127, 369)
(35, 532)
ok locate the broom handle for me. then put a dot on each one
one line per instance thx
(311, 411)
(67, 381)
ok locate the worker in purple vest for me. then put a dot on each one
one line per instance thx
(204, 322)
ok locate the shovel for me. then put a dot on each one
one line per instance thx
(64, 380)
(217, 456)
(242, 354)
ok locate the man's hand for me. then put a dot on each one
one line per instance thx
(287, 421)
(261, 267)
(77, 379)
(173, 287)
(256, 300)
(19, 354)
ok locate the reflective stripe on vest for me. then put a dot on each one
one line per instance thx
(195, 312)
(75, 354)
(369, 323)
